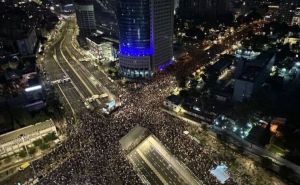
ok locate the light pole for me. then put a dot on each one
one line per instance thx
(22, 137)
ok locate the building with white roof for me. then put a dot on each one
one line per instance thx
(12, 142)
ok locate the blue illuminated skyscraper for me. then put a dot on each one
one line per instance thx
(146, 31)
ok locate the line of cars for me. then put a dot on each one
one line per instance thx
(61, 81)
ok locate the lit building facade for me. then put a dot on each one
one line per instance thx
(287, 10)
(85, 16)
(296, 18)
(146, 32)
(102, 49)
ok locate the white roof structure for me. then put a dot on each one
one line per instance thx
(29, 130)
(133, 138)
(220, 172)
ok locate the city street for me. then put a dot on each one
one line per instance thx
(154, 92)
(93, 151)
(65, 63)
(158, 166)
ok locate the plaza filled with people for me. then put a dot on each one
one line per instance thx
(91, 154)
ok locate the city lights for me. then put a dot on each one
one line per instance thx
(33, 88)
(149, 92)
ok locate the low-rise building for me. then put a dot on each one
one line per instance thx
(291, 40)
(275, 126)
(251, 74)
(220, 66)
(287, 10)
(102, 49)
(13, 142)
(85, 16)
(296, 18)
(174, 102)
(246, 54)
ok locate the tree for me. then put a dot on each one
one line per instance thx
(184, 93)
(205, 127)
(266, 162)
(44, 146)
(31, 150)
(194, 83)
(38, 142)
(181, 80)
(50, 137)
(285, 172)
(22, 153)
(195, 32)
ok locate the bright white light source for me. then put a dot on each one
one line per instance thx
(34, 88)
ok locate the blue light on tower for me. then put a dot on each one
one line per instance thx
(165, 65)
(133, 51)
(134, 23)
(146, 29)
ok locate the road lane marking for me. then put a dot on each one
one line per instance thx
(82, 81)
(74, 85)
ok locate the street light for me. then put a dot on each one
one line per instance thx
(22, 137)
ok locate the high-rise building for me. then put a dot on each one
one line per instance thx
(146, 32)
(85, 16)
(200, 9)
(192, 8)
(287, 10)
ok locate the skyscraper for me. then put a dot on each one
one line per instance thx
(146, 32)
(202, 9)
(85, 16)
(287, 11)
(191, 8)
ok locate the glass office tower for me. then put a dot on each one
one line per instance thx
(85, 16)
(146, 31)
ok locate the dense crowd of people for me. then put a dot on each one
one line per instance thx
(92, 155)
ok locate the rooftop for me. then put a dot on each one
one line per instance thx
(174, 99)
(220, 172)
(263, 58)
(251, 73)
(10, 136)
(156, 165)
(221, 64)
(133, 138)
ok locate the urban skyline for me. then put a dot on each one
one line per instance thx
(149, 92)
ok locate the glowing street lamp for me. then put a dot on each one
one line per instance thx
(33, 88)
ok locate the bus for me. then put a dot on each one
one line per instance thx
(24, 166)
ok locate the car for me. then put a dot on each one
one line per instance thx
(88, 105)
(66, 80)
